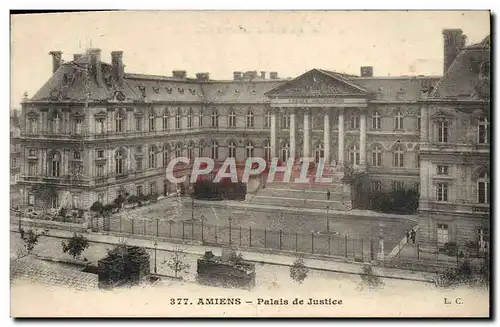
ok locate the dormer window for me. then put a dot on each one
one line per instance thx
(192, 91)
(76, 155)
(219, 92)
(236, 91)
(254, 92)
(181, 90)
(169, 90)
(156, 89)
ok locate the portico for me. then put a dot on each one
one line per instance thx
(322, 98)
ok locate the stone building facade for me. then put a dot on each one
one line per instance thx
(93, 131)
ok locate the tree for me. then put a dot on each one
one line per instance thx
(45, 193)
(369, 279)
(75, 246)
(30, 239)
(298, 271)
(96, 207)
(177, 261)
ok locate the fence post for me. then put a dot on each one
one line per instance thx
(345, 245)
(215, 233)
(363, 250)
(202, 231)
(265, 238)
(183, 229)
(296, 242)
(120, 224)
(281, 239)
(457, 255)
(144, 227)
(418, 251)
(329, 240)
(399, 252)
(250, 236)
(240, 235)
(157, 227)
(133, 226)
(170, 229)
(192, 229)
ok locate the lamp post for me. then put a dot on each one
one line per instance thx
(155, 245)
(192, 208)
(230, 219)
(327, 220)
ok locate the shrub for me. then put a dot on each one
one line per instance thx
(298, 271)
(450, 249)
(96, 207)
(369, 279)
(75, 245)
(63, 211)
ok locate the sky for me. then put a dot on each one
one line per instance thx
(220, 42)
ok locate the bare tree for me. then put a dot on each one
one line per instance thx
(177, 261)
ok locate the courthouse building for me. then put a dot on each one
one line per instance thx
(93, 131)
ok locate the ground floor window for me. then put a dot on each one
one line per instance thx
(376, 186)
(100, 197)
(397, 186)
(442, 233)
(152, 188)
(53, 202)
(165, 187)
(138, 190)
(482, 241)
(31, 199)
(76, 201)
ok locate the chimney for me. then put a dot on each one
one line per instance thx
(118, 68)
(454, 41)
(56, 60)
(366, 71)
(202, 76)
(251, 74)
(263, 75)
(180, 74)
(95, 64)
(237, 76)
(273, 75)
(77, 56)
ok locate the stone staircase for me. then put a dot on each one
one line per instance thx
(307, 194)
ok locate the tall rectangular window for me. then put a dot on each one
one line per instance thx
(442, 131)
(442, 192)
(32, 168)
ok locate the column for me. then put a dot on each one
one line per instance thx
(293, 142)
(326, 136)
(307, 136)
(340, 159)
(424, 131)
(273, 134)
(362, 139)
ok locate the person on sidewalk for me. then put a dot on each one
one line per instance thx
(413, 235)
(407, 233)
(328, 195)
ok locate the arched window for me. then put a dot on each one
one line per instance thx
(214, 150)
(232, 119)
(232, 149)
(165, 155)
(250, 120)
(152, 124)
(376, 120)
(190, 150)
(285, 151)
(354, 155)
(190, 118)
(354, 122)
(267, 121)
(165, 119)
(178, 119)
(442, 131)
(152, 157)
(119, 162)
(319, 152)
(267, 150)
(483, 133)
(119, 122)
(55, 165)
(285, 120)
(249, 149)
(377, 156)
(399, 157)
(483, 188)
(398, 120)
(215, 118)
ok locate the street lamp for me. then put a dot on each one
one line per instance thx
(230, 219)
(327, 220)
(192, 208)
(155, 245)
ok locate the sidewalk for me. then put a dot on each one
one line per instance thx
(264, 258)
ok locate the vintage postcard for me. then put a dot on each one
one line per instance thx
(250, 164)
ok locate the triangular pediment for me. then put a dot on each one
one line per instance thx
(317, 82)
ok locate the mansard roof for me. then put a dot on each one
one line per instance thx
(468, 75)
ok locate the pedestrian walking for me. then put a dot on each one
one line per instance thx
(407, 233)
(413, 235)
(328, 195)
